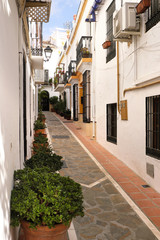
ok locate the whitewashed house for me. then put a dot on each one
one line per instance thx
(18, 99)
(115, 89)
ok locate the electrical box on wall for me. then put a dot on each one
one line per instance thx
(124, 110)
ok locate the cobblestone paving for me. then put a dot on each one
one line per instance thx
(107, 214)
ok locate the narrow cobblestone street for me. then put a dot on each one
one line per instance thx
(108, 216)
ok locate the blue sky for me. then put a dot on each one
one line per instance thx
(61, 11)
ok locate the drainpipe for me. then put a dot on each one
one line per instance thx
(93, 98)
(20, 53)
(118, 97)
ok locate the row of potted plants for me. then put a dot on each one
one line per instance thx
(42, 201)
(59, 107)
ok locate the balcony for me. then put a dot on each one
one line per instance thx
(38, 10)
(66, 84)
(84, 55)
(59, 79)
(37, 51)
(72, 69)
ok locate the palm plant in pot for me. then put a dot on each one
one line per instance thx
(44, 203)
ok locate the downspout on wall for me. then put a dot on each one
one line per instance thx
(118, 85)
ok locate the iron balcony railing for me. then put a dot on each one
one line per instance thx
(65, 78)
(72, 69)
(84, 48)
(37, 51)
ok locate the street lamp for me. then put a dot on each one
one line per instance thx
(48, 52)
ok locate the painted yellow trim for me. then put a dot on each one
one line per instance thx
(77, 25)
(84, 60)
(67, 85)
(139, 87)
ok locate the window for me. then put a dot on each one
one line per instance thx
(153, 14)
(46, 75)
(86, 97)
(153, 126)
(111, 51)
(112, 122)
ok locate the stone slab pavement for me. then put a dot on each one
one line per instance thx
(108, 216)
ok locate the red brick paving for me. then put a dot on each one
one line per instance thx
(147, 199)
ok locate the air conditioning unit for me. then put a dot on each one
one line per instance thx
(125, 22)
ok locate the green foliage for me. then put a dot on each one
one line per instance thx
(53, 100)
(41, 116)
(40, 138)
(43, 198)
(60, 106)
(39, 125)
(44, 148)
(44, 159)
(50, 81)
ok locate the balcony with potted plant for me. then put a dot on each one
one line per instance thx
(84, 54)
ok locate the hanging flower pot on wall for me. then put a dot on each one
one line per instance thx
(106, 44)
(142, 6)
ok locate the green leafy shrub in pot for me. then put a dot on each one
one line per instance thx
(44, 199)
(42, 148)
(40, 138)
(39, 125)
(41, 117)
(43, 159)
(53, 100)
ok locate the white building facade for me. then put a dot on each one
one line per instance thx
(115, 92)
(18, 101)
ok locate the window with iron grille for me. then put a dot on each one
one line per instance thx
(111, 51)
(86, 97)
(112, 122)
(153, 14)
(153, 126)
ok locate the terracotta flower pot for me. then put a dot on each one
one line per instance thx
(59, 232)
(106, 44)
(40, 131)
(142, 6)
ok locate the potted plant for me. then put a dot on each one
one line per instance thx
(39, 127)
(106, 44)
(42, 159)
(142, 6)
(44, 203)
(85, 52)
(40, 139)
(68, 114)
(53, 100)
(41, 117)
(50, 81)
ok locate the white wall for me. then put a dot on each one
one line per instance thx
(139, 63)
(12, 49)
(9, 111)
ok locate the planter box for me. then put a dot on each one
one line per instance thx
(106, 44)
(142, 6)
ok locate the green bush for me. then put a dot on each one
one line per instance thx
(44, 159)
(39, 125)
(53, 100)
(40, 138)
(41, 116)
(43, 198)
